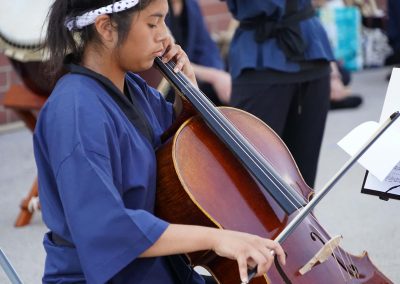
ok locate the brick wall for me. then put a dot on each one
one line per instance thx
(216, 14)
(7, 77)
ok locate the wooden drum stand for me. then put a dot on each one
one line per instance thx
(22, 43)
(26, 104)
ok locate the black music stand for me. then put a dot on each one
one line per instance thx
(384, 190)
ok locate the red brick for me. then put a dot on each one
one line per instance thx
(205, 2)
(15, 79)
(3, 79)
(11, 116)
(4, 60)
(216, 15)
(213, 9)
(3, 116)
(218, 23)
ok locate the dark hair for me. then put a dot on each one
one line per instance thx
(60, 41)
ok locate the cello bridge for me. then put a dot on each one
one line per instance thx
(322, 255)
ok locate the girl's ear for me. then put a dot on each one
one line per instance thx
(105, 29)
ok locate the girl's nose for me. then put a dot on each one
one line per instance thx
(163, 33)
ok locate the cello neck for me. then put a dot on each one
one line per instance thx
(287, 197)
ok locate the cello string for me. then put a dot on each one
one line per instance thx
(203, 102)
(351, 266)
(222, 124)
(194, 92)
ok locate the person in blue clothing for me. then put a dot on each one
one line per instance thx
(189, 30)
(279, 60)
(94, 147)
(393, 31)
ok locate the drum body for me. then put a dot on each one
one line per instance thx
(22, 32)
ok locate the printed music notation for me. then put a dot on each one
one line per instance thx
(394, 176)
(390, 185)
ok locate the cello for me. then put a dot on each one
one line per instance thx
(225, 168)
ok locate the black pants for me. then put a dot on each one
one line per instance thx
(295, 111)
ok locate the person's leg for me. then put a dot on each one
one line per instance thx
(344, 74)
(341, 97)
(270, 103)
(304, 129)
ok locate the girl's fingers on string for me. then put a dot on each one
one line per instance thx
(262, 262)
(171, 52)
(180, 63)
(242, 263)
(276, 249)
(264, 266)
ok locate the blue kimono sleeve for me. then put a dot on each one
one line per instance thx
(107, 235)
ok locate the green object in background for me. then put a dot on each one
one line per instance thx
(343, 26)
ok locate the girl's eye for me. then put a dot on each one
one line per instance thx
(152, 26)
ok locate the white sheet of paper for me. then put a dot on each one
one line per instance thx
(384, 154)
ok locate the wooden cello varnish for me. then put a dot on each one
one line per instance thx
(201, 182)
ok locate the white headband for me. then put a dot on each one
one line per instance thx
(89, 18)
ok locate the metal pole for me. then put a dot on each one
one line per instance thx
(8, 269)
(318, 197)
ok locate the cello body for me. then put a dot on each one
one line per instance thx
(201, 182)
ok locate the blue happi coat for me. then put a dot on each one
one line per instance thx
(97, 182)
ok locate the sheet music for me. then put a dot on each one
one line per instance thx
(392, 180)
(394, 176)
(382, 160)
(383, 155)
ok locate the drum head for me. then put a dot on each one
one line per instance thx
(23, 28)
(23, 22)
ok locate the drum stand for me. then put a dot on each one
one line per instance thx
(26, 104)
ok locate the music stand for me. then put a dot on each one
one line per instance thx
(385, 190)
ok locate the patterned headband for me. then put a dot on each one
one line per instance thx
(89, 18)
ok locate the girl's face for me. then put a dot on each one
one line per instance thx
(145, 40)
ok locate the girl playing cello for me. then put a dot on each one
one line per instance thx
(95, 144)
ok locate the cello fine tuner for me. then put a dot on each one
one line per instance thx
(322, 255)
